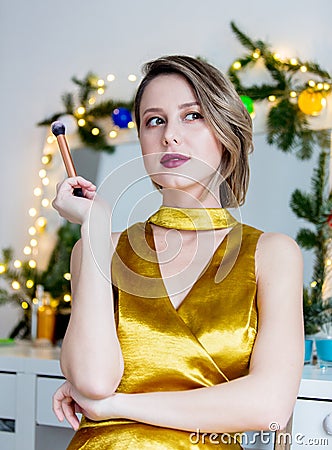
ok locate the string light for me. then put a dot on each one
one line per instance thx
(33, 243)
(2, 268)
(67, 297)
(320, 86)
(37, 192)
(326, 86)
(303, 69)
(311, 83)
(293, 61)
(272, 98)
(101, 91)
(17, 263)
(113, 134)
(41, 222)
(80, 110)
(328, 262)
(256, 54)
(50, 139)
(32, 231)
(92, 101)
(237, 65)
(292, 94)
(81, 122)
(45, 181)
(24, 305)
(32, 264)
(313, 284)
(95, 131)
(45, 202)
(42, 173)
(16, 285)
(110, 77)
(132, 77)
(46, 159)
(27, 250)
(100, 83)
(67, 276)
(29, 284)
(32, 212)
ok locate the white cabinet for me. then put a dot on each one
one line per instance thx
(29, 376)
(308, 425)
(313, 405)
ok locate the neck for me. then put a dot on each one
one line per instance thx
(181, 199)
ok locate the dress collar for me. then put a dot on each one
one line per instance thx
(193, 219)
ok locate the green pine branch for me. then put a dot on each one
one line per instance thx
(306, 238)
(243, 38)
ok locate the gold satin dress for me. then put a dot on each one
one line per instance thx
(206, 341)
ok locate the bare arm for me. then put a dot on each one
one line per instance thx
(91, 357)
(268, 393)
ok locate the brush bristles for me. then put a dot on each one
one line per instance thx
(58, 128)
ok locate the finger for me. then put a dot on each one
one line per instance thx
(73, 181)
(89, 195)
(57, 409)
(69, 183)
(58, 397)
(68, 406)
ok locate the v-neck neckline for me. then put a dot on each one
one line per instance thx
(206, 267)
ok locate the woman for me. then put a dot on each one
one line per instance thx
(198, 328)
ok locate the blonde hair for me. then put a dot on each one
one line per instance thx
(223, 110)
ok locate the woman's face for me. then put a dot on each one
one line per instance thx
(179, 147)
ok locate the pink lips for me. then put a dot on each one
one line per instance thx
(171, 160)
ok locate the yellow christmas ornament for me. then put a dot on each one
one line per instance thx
(311, 102)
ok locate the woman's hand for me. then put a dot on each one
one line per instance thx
(67, 401)
(74, 209)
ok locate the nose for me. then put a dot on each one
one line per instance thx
(171, 135)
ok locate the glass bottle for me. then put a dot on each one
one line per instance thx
(46, 319)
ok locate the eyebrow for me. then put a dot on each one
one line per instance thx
(184, 105)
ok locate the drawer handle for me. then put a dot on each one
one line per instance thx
(327, 424)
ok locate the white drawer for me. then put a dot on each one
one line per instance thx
(45, 390)
(7, 441)
(7, 396)
(308, 425)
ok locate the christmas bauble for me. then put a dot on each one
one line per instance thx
(248, 103)
(311, 102)
(121, 117)
(329, 220)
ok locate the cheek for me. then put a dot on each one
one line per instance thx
(148, 143)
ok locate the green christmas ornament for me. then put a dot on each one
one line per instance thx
(248, 103)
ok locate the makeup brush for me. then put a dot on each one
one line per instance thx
(58, 129)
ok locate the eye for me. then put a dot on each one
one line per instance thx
(194, 116)
(154, 121)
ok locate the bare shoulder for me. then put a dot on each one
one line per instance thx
(278, 252)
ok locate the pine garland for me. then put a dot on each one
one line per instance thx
(28, 278)
(287, 125)
(87, 89)
(315, 207)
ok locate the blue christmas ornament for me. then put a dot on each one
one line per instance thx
(121, 117)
